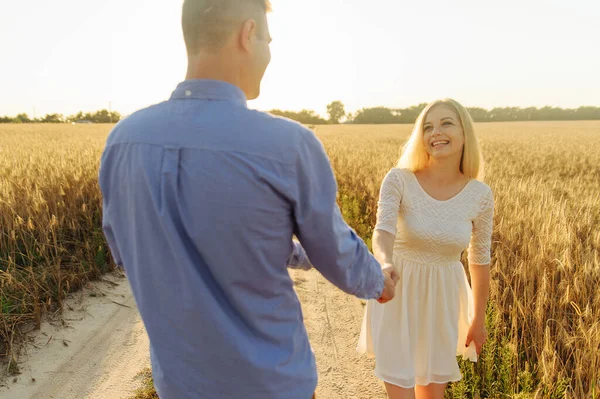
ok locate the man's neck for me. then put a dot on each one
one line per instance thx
(212, 67)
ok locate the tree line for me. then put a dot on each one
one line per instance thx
(375, 115)
(102, 116)
(380, 115)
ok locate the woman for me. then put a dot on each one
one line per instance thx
(432, 206)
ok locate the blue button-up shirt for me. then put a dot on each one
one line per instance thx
(201, 199)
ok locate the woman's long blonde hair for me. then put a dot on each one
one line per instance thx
(414, 156)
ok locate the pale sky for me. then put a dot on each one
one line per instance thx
(68, 55)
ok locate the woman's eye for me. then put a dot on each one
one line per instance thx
(427, 128)
(447, 123)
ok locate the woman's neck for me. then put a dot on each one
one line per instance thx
(443, 170)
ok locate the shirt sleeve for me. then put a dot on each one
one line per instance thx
(390, 197)
(479, 251)
(298, 259)
(110, 238)
(332, 246)
(106, 225)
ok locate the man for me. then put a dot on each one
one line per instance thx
(202, 197)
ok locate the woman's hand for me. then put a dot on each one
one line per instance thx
(478, 335)
(389, 287)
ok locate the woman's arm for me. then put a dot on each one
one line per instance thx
(388, 206)
(383, 246)
(479, 268)
(480, 282)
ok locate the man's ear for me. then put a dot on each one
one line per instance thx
(248, 30)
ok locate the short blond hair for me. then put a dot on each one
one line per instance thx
(208, 24)
(415, 157)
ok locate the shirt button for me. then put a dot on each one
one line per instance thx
(188, 93)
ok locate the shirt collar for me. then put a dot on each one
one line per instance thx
(206, 89)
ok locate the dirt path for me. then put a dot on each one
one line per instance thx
(333, 320)
(96, 349)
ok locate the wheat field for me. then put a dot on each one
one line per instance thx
(544, 312)
(50, 221)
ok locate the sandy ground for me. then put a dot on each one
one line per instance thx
(333, 320)
(96, 348)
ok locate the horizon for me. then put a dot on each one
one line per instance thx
(324, 115)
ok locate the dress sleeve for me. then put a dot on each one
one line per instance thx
(390, 197)
(481, 237)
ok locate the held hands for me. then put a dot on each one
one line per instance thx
(389, 285)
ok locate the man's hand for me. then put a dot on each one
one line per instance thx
(389, 286)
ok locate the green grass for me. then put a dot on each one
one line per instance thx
(147, 390)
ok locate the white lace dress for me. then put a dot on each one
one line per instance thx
(416, 337)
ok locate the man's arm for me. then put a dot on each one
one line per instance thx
(299, 259)
(110, 238)
(332, 246)
(106, 225)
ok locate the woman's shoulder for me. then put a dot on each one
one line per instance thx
(397, 175)
(397, 171)
(481, 186)
(483, 194)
